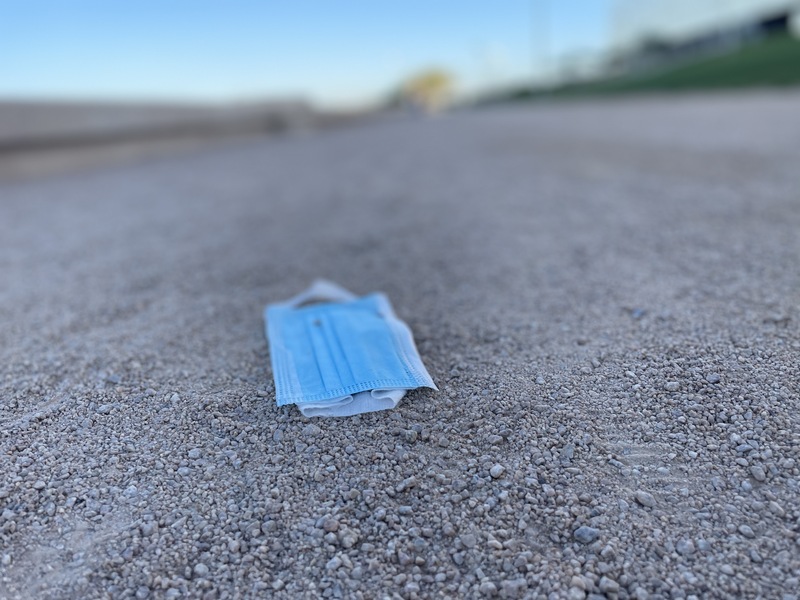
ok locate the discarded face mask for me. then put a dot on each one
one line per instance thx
(337, 355)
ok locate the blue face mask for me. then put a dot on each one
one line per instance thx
(334, 354)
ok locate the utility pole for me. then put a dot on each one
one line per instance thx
(540, 39)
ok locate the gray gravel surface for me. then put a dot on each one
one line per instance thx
(606, 293)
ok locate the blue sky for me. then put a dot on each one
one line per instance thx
(334, 52)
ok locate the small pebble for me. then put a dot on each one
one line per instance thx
(776, 509)
(585, 534)
(747, 531)
(685, 547)
(757, 471)
(645, 498)
(639, 593)
(497, 471)
(514, 588)
(608, 585)
(330, 525)
(311, 430)
(487, 588)
(575, 593)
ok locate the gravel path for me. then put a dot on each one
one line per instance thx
(607, 294)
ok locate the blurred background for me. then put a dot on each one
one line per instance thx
(90, 82)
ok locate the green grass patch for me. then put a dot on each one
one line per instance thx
(774, 61)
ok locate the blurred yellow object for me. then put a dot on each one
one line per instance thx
(429, 90)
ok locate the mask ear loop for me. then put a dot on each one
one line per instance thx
(321, 290)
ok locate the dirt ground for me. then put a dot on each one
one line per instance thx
(605, 292)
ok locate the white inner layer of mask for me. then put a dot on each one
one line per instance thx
(354, 404)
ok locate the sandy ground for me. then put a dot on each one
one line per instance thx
(606, 294)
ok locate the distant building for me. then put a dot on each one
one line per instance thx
(634, 20)
(656, 40)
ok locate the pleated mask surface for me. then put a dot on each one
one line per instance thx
(335, 354)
